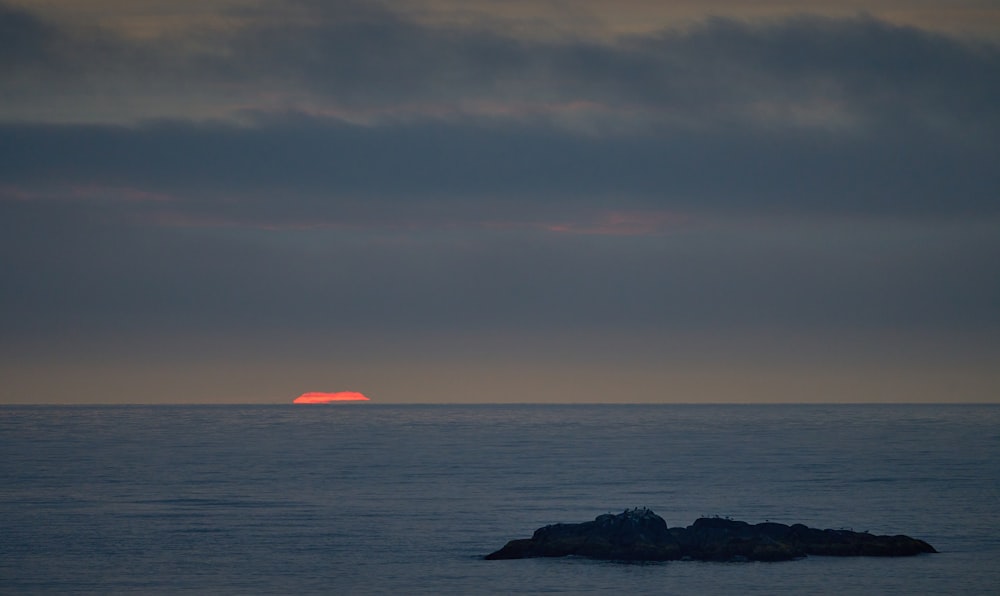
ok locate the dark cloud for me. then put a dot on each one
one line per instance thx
(24, 38)
(376, 119)
(872, 66)
(313, 170)
(715, 73)
(366, 62)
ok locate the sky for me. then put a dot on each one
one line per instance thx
(444, 201)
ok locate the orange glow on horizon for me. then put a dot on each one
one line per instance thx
(321, 397)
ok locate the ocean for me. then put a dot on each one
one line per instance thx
(375, 498)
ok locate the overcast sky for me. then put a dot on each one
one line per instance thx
(482, 201)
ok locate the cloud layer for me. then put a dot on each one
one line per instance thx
(354, 110)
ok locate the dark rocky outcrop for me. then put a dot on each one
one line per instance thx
(641, 535)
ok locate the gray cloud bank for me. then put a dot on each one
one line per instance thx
(807, 115)
(359, 59)
(296, 170)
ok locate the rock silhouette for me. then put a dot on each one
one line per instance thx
(641, 535)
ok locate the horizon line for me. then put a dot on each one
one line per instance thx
(501, 403)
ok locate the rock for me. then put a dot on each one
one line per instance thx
(634, 535)
(641, 535)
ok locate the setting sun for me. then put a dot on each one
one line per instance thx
(321, 397)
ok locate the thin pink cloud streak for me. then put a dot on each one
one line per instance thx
(84, 193)
(621, 223)
(614, 223)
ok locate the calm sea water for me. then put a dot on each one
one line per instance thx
(367, 498)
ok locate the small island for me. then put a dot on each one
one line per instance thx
(641, 535)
